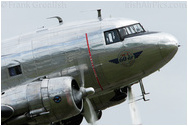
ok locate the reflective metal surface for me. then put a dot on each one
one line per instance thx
(42, 102)
(63, 51)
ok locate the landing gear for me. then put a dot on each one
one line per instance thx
(143, 91)
(132, 103)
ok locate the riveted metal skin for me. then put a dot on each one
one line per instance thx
(63, 51)
(35, 103)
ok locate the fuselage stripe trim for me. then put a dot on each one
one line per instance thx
(90, 57)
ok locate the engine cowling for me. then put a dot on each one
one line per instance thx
(43, 102)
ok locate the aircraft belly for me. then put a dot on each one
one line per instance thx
(103, 101)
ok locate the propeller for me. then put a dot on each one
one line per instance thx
(89, 112)
(133, 109)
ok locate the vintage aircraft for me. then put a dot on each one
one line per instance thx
(60, 75)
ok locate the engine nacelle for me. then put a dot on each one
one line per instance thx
(43, 102)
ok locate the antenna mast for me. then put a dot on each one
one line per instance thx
(99, 14)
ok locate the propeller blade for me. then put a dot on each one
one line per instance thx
(89, 112)
(82, 76)
(133, 109)
(77, 95)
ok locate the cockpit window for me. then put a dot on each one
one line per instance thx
(120, 34)
(128, 30)
(131, 30)
(112, 36)
(123, 32)
(138, 28)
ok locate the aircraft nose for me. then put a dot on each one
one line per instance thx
(168, 46)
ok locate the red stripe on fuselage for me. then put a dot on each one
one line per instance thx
(90, 57)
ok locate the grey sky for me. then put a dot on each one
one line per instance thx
(168, 88)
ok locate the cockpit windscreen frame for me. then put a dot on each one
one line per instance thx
(119, 34)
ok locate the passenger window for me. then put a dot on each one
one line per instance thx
(15, 70)
(112, 36)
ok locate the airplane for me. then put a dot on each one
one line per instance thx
(62, 74)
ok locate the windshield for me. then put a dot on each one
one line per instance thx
(119, 34)
(129, 30)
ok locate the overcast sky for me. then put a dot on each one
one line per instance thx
(168, 88)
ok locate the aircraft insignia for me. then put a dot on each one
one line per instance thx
(57, 99)
(126, 58)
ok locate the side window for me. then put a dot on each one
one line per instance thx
(15, 70)
(112, 36)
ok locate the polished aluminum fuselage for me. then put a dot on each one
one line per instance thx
(63, 50)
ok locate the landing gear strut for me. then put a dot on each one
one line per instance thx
(143, 91)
